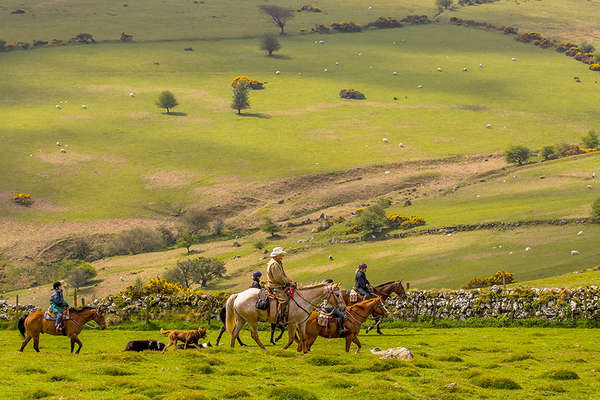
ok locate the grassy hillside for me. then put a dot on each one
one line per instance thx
(586, 277)
(124, 156)
(467, 359)
(180, 19)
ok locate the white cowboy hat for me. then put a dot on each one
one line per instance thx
(277, 251)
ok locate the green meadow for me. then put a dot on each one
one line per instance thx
(483, 363)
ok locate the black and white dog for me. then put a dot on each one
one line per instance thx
(141, 345)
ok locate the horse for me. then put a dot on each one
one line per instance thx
(241, 309)
(222, 315)
(33, 324)
(356, 314)
(384, 291)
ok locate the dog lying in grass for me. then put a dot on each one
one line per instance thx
(189, 338)
(141, 345)
(202, 346)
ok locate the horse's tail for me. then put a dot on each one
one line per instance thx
(164, 332)
(230, 317)
(21, 324)
(223, 314)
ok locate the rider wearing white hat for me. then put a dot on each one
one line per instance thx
(278, 281)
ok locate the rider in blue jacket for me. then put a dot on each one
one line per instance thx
(57, 303)
(361, 283)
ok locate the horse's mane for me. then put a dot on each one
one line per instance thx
(387, 283)
(313, 286)
(80, 309)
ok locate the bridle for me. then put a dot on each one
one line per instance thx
(329, 291)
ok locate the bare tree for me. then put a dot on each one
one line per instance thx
(270, 43)
(279, 14)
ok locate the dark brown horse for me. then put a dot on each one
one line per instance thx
(33, 324)
(384, 291)
(355, 315)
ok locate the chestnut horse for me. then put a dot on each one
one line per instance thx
(355, 315)
(384, 291)
(34, 324)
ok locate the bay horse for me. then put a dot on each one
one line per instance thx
(384, 291)
(356, 314)
(241, 309)
(34, 324)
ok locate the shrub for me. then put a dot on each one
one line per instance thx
(405, 222)
(83, 38)
(135, 241)
(372, 219)
(498, 278)
(199, 270)
(291, 393)
(347, 26)
(517, 155)
(250, 82)
(351, 94)
(270, 43)
(562, 375)
(562, 47)
(548, 153)
(259, 244)
(82, 275)
(590, 140)
(320, 28)
(595, 67)
(126, 37)
(509, 30)
(386, 22)
(587, 47)
(543, 43)
(309, 8)
(495, 382)
(196, 219)
(528, 37)
(23, 199)
(2, 45)
(416, 19)
(353, 229)
(167, 101)
(596, 209)
(186, 239)
(442, 4)
(270, 227)
(162, 287)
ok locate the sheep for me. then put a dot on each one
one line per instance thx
(527, 248)
(385, 140)
(593, 175)
(439, 69)
(510, 253)
(465, 69)
(589, 186)
(131, 94)
(514, 59)
(299, 73)
(63, 151)
(360, 54)
(84, 106)
(387, 172)
(400, 144)
(330, 258)
(574, 253)
(579, 233)
(58, 144)
(58, 107)
(321, 42)
(325, 70)
(370, 7)
(394, 73)
(480, 65)
(420, 86)
(337, 63)
(488, 126)
(277, 72)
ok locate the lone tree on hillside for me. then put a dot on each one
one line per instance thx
(270, 43)
(240, 97)
(270, 227)
(186, 239)
(279, 15)
(167, 100)
(199, 270)
(81, 275)
(517, 155)
(590, 140)
(443, 4)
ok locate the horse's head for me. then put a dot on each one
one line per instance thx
(399, 289)
(379, 308)
(99, 317)
(336, 297)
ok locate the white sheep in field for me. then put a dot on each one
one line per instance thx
(439, 69)
(514, 59)
(420, 86)
(527, 248)
(387, 172)
(325, 70)
(400, 144)
(277, 72)
(579, 233)
(58, 143)
(574, 253)
(321, 42)
(385, 140)
(589, 186)
(465, 69)
(480, 65)
(489, 126)
(58, 107)
(337, 63)
(394, 73)
(84, 106)
(131, 94)
(63, 151)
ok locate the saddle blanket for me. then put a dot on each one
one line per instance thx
(354, 295)
(323, 318)
(49, 315)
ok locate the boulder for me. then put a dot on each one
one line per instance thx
(401, 353)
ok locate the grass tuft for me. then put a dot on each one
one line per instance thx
(37, 394)
(60, 378)
(202, 369)
(450, 358)
(113, 371)
(387, 365)
(237, 394)
(31, 370)
(562, 375)
(322, 361)
(519, 357)
(495, 382)
(186, 395)
(340, 383)
(291, 393)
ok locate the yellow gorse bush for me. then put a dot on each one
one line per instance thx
(161, 286)
(405, 222)
(250, 82)
(23, 199)
(595, 67)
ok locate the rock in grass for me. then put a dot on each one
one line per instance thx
(401, 353)
(495, 382)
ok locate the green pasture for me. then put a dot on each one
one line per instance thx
(125, 158)
(181, 19)
(448, 363)
(575, 279)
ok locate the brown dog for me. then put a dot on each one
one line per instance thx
(187, 337)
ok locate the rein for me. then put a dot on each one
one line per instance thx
(353, 319)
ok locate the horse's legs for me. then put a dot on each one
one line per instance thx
(356, 342)
(292, 335)
(236, 330)
(27, 339)
(273, 326)
(72, 344)
(36, 343)
(240, 342)
(308, 342)
(79, 344)
(280, 333)
(254, 334)
(220, 334)
(349, 339)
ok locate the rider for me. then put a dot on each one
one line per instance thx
(339, 316)
(57, 304)
(256, 280)
(279, 282)
(361, 283)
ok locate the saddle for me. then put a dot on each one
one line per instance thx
(50, 316)
(354, 295)
(324, 318)
(262, 302)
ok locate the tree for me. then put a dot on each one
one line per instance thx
(596, 210)
(186, 239)
(240, 97)
(548, 153)
(218, 226)
(270, 43)
(590, 140)
(372, 219)
(517, 155)
(81, 275)
(167, 100)
(587, 47)
(443, 4)
(199, 270)
(196, 219)
(279, 15)
(270, 227)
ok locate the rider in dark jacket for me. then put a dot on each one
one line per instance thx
(361, 283)
(340, 317)
(57, 303)
(256, 280)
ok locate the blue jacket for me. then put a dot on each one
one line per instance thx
(57, 302)
(360, 280)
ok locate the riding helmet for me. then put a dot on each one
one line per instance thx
(56, 285)
(256, 274)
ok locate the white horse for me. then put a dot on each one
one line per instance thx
(241, 309)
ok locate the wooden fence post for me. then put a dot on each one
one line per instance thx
(407, 285)
(82, 302)
(17, 304)
(75, 297)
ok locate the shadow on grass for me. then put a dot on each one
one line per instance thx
(255, 115)
(281, 56)
(175, 114)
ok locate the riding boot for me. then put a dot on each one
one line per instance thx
(341, 328)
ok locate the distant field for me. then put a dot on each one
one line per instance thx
(125, 159)
(465, 359)
(574, 279)
(181, 19)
